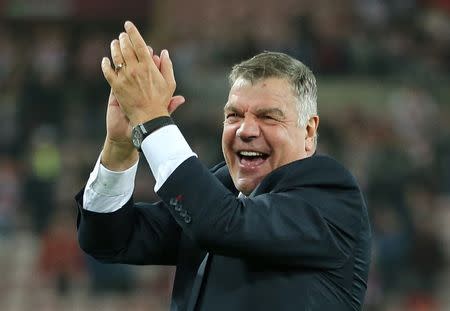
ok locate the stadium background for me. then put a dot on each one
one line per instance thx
(383, 78)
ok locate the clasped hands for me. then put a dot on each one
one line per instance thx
(142, 87)
(142, 83)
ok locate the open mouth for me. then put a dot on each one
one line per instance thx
(251, 158)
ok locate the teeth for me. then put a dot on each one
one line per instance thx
(251, 153)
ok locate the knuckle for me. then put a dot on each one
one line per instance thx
(133, 73)
(142, 48)
(172, 85)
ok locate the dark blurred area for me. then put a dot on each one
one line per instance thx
(383, 76)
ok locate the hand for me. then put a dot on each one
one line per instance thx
(118, 152)
(143, 90)
(175, 101)
(118, 127)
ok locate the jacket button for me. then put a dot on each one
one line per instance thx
(187, 219)
(178, 207)
(183, 213)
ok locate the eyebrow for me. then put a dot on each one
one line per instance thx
(260, 111)
(231, 108)
(270, 111)
(228, 106)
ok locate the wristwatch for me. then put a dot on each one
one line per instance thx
(140, 131)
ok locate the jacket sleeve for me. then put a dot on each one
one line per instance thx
(135, 234)
(301, 226)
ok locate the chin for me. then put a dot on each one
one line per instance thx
(246, 188)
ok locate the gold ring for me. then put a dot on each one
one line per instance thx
(119, 66)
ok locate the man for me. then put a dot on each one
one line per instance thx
(275, 227)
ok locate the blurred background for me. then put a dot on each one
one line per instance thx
(383, 75)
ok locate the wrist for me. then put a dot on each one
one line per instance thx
(141, 131)
(145, 117)
(118, 155)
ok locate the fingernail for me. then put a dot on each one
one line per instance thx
(104, 60)
(122, 35)
(128, 24)
(165, 52)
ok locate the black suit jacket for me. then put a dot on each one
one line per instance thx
(300, 241)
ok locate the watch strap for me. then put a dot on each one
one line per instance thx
(154, 124)
(149, 127)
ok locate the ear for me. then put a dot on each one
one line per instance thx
(311, 135)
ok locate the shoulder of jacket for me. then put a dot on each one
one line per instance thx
(315, 171)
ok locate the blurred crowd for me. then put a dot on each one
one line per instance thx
(383, 76)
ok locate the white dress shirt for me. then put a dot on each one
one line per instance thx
(165, 149)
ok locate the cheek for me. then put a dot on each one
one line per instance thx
(227, 140)
(229, 132)
(279, 138)
(288, 145)
(226, 137)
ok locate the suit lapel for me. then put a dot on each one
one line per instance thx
(199, 279)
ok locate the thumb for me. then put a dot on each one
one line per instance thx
(167, 69)
(175, 102)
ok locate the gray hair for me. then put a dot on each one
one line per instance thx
(279, 65)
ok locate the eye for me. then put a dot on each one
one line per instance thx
(231, 117)
(269, 118)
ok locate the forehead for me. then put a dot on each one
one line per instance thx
(265, 93)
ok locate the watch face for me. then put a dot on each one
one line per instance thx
(136, 137)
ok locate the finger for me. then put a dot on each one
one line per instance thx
(157, 61)
(167, 69)
(175, 102)
(155, 58)
(116, 53)
(108, 71)
(127, 49)
(178, 99)
(140, 47)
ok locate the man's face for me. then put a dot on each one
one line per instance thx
(260, 131)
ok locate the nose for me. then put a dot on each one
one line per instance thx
(249, 128)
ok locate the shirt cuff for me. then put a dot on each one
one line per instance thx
(107, 191)
(165, 149)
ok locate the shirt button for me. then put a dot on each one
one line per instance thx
(187, 219)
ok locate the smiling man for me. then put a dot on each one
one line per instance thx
(274, 227)
(264, 126)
